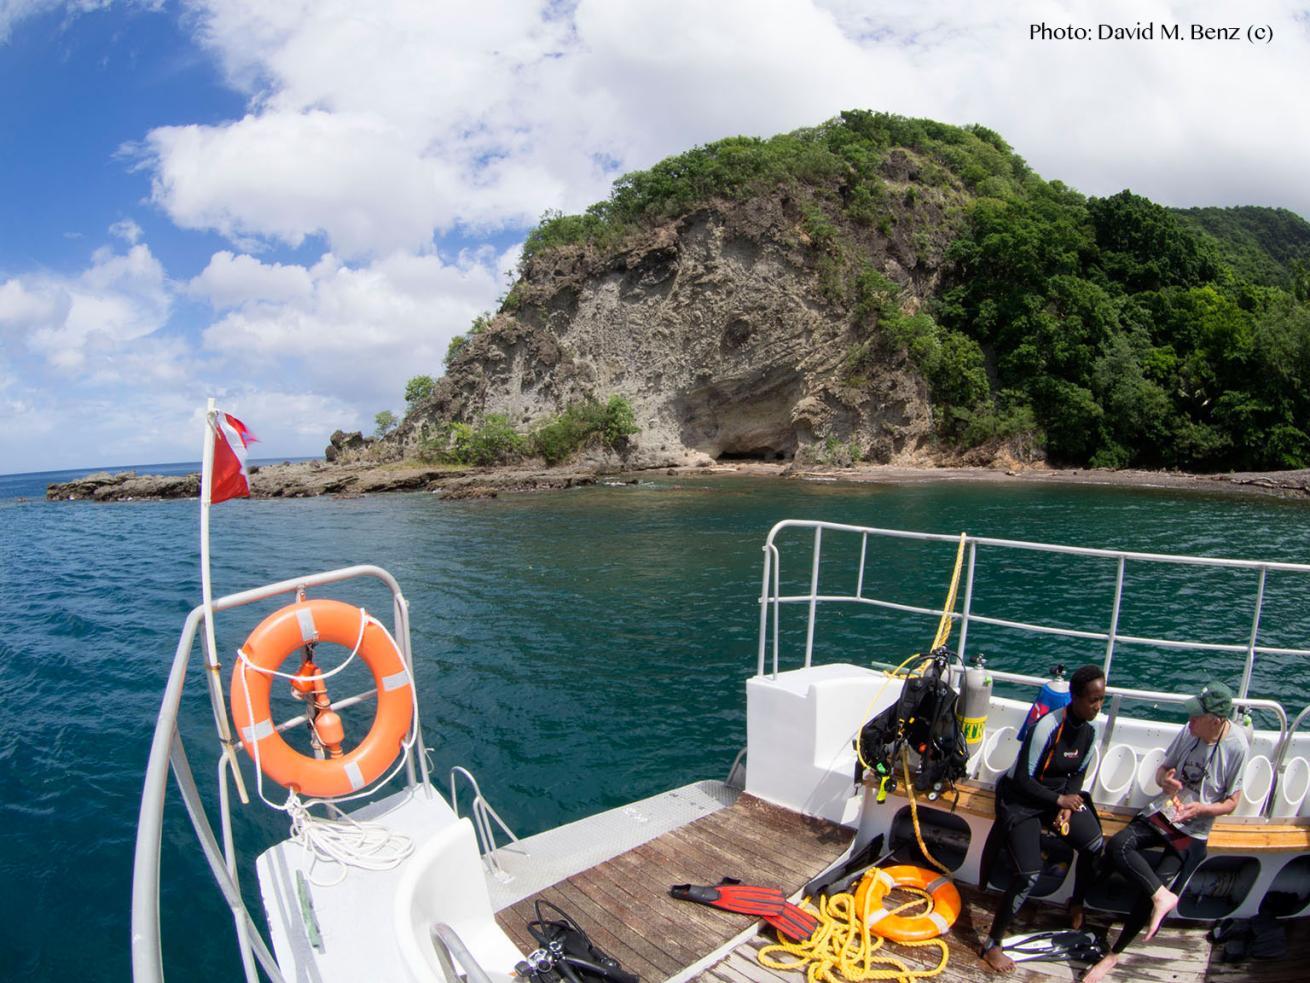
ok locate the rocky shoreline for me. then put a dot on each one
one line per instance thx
(312, 478)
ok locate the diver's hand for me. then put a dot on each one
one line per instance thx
(1070, 803)
(1188, 811)
(1168, 783)
(1062, 818)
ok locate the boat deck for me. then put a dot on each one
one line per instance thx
(1178, 954)
(624, 905)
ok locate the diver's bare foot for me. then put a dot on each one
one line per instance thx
(1102, 969)
(1075, 916)
(1163, 901)
(997, 960)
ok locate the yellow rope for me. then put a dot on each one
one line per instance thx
(944, 625)
(842, 945)
(914, 814)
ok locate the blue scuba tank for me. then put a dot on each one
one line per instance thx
(1054, 695)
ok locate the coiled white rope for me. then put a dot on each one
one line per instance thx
(344, 841)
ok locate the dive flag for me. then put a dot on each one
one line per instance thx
(229, 478)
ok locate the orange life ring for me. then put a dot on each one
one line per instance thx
(268, 646)
(901, 928)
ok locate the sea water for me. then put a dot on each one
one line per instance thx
(575, 650)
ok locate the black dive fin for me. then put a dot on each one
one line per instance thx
(836, 878)
(1062, 946)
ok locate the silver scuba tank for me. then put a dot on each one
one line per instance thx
(974, 704)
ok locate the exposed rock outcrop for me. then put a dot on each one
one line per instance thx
(313, 478)
(344, 446)
(733, 331)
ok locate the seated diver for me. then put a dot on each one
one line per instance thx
(1201, 773)
(1044, 788)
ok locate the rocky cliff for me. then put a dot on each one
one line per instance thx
(735, 330)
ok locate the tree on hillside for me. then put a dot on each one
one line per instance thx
(418, 389)
(386, 422)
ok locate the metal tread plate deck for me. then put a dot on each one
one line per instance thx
(1180, 953)
(551, 856)
(624, 904)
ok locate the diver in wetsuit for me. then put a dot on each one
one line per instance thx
(1044, 788)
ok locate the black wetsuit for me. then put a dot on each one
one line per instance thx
(1052, 762)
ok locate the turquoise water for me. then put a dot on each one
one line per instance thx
(574, 650)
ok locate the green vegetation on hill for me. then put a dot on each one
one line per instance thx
(1267, 246)
(1110, 332)
(847, 153)
(495, 441)
(1130, 339)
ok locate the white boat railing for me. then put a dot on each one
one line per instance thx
(482, 816)
(772, 600)
(167, 750)
(450, 948)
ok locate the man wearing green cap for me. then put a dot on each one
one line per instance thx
(1200, 777)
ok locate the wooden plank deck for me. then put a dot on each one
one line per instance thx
(624, 905)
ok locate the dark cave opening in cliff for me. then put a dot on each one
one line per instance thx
(754, 454)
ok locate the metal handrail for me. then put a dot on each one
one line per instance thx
(741, 755)
(1154, 696)
(772, 597)
(167, 751)
(449, 946)
(482, 814)
(1286, 744)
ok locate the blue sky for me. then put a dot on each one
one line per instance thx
(294, 207)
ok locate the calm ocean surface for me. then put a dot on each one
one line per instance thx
(574, 650)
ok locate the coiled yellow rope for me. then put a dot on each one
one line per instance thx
(843, 947)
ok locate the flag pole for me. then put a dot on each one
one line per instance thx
(207, 599)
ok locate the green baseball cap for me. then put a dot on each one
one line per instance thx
(1215, 697)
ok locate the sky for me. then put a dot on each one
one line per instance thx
(292, 207)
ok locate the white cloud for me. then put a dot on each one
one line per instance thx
(230, 281)
(357, 332)
(127, 230)
(15, 11)
(355, 178)
(68, 320)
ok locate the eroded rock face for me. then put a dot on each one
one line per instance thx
(730, 332)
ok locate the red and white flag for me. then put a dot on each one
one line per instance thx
(229, 478)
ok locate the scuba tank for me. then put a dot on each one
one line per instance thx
(974, 704)
(1054, 695)
(1248, 728)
